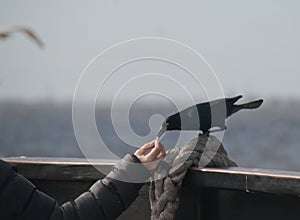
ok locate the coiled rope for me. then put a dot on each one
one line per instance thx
(202, 151)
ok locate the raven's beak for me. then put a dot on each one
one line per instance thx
(163, 128)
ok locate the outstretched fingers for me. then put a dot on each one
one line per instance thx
(150, 154)
(145, 148)
(157, 152)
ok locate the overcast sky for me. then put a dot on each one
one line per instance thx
(253, 46)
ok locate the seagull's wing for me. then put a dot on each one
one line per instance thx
(33, 36)
(6, 31)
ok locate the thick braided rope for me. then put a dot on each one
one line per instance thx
(203, 151)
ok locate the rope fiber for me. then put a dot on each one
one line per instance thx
(202, 151)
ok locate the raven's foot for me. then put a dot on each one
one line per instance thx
(205, 133)
(219, 129)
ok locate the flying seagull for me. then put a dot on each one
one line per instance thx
(205, 116)
(5, 32)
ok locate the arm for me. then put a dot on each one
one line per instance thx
(109, 197)
(106, 199)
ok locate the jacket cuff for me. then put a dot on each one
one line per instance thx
(130, 169)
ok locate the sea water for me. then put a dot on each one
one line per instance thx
(268, 137)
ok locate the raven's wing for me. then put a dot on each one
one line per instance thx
(231, 100)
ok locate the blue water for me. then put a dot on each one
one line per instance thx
(267, 138)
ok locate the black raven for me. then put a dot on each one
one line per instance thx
(205, 116)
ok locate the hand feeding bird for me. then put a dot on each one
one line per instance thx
(205, 116)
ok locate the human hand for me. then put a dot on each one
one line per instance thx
(150, 154)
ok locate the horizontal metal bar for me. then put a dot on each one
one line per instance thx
(234, 178)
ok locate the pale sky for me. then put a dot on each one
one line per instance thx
(253, 46)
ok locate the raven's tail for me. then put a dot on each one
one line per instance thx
(248, 105)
